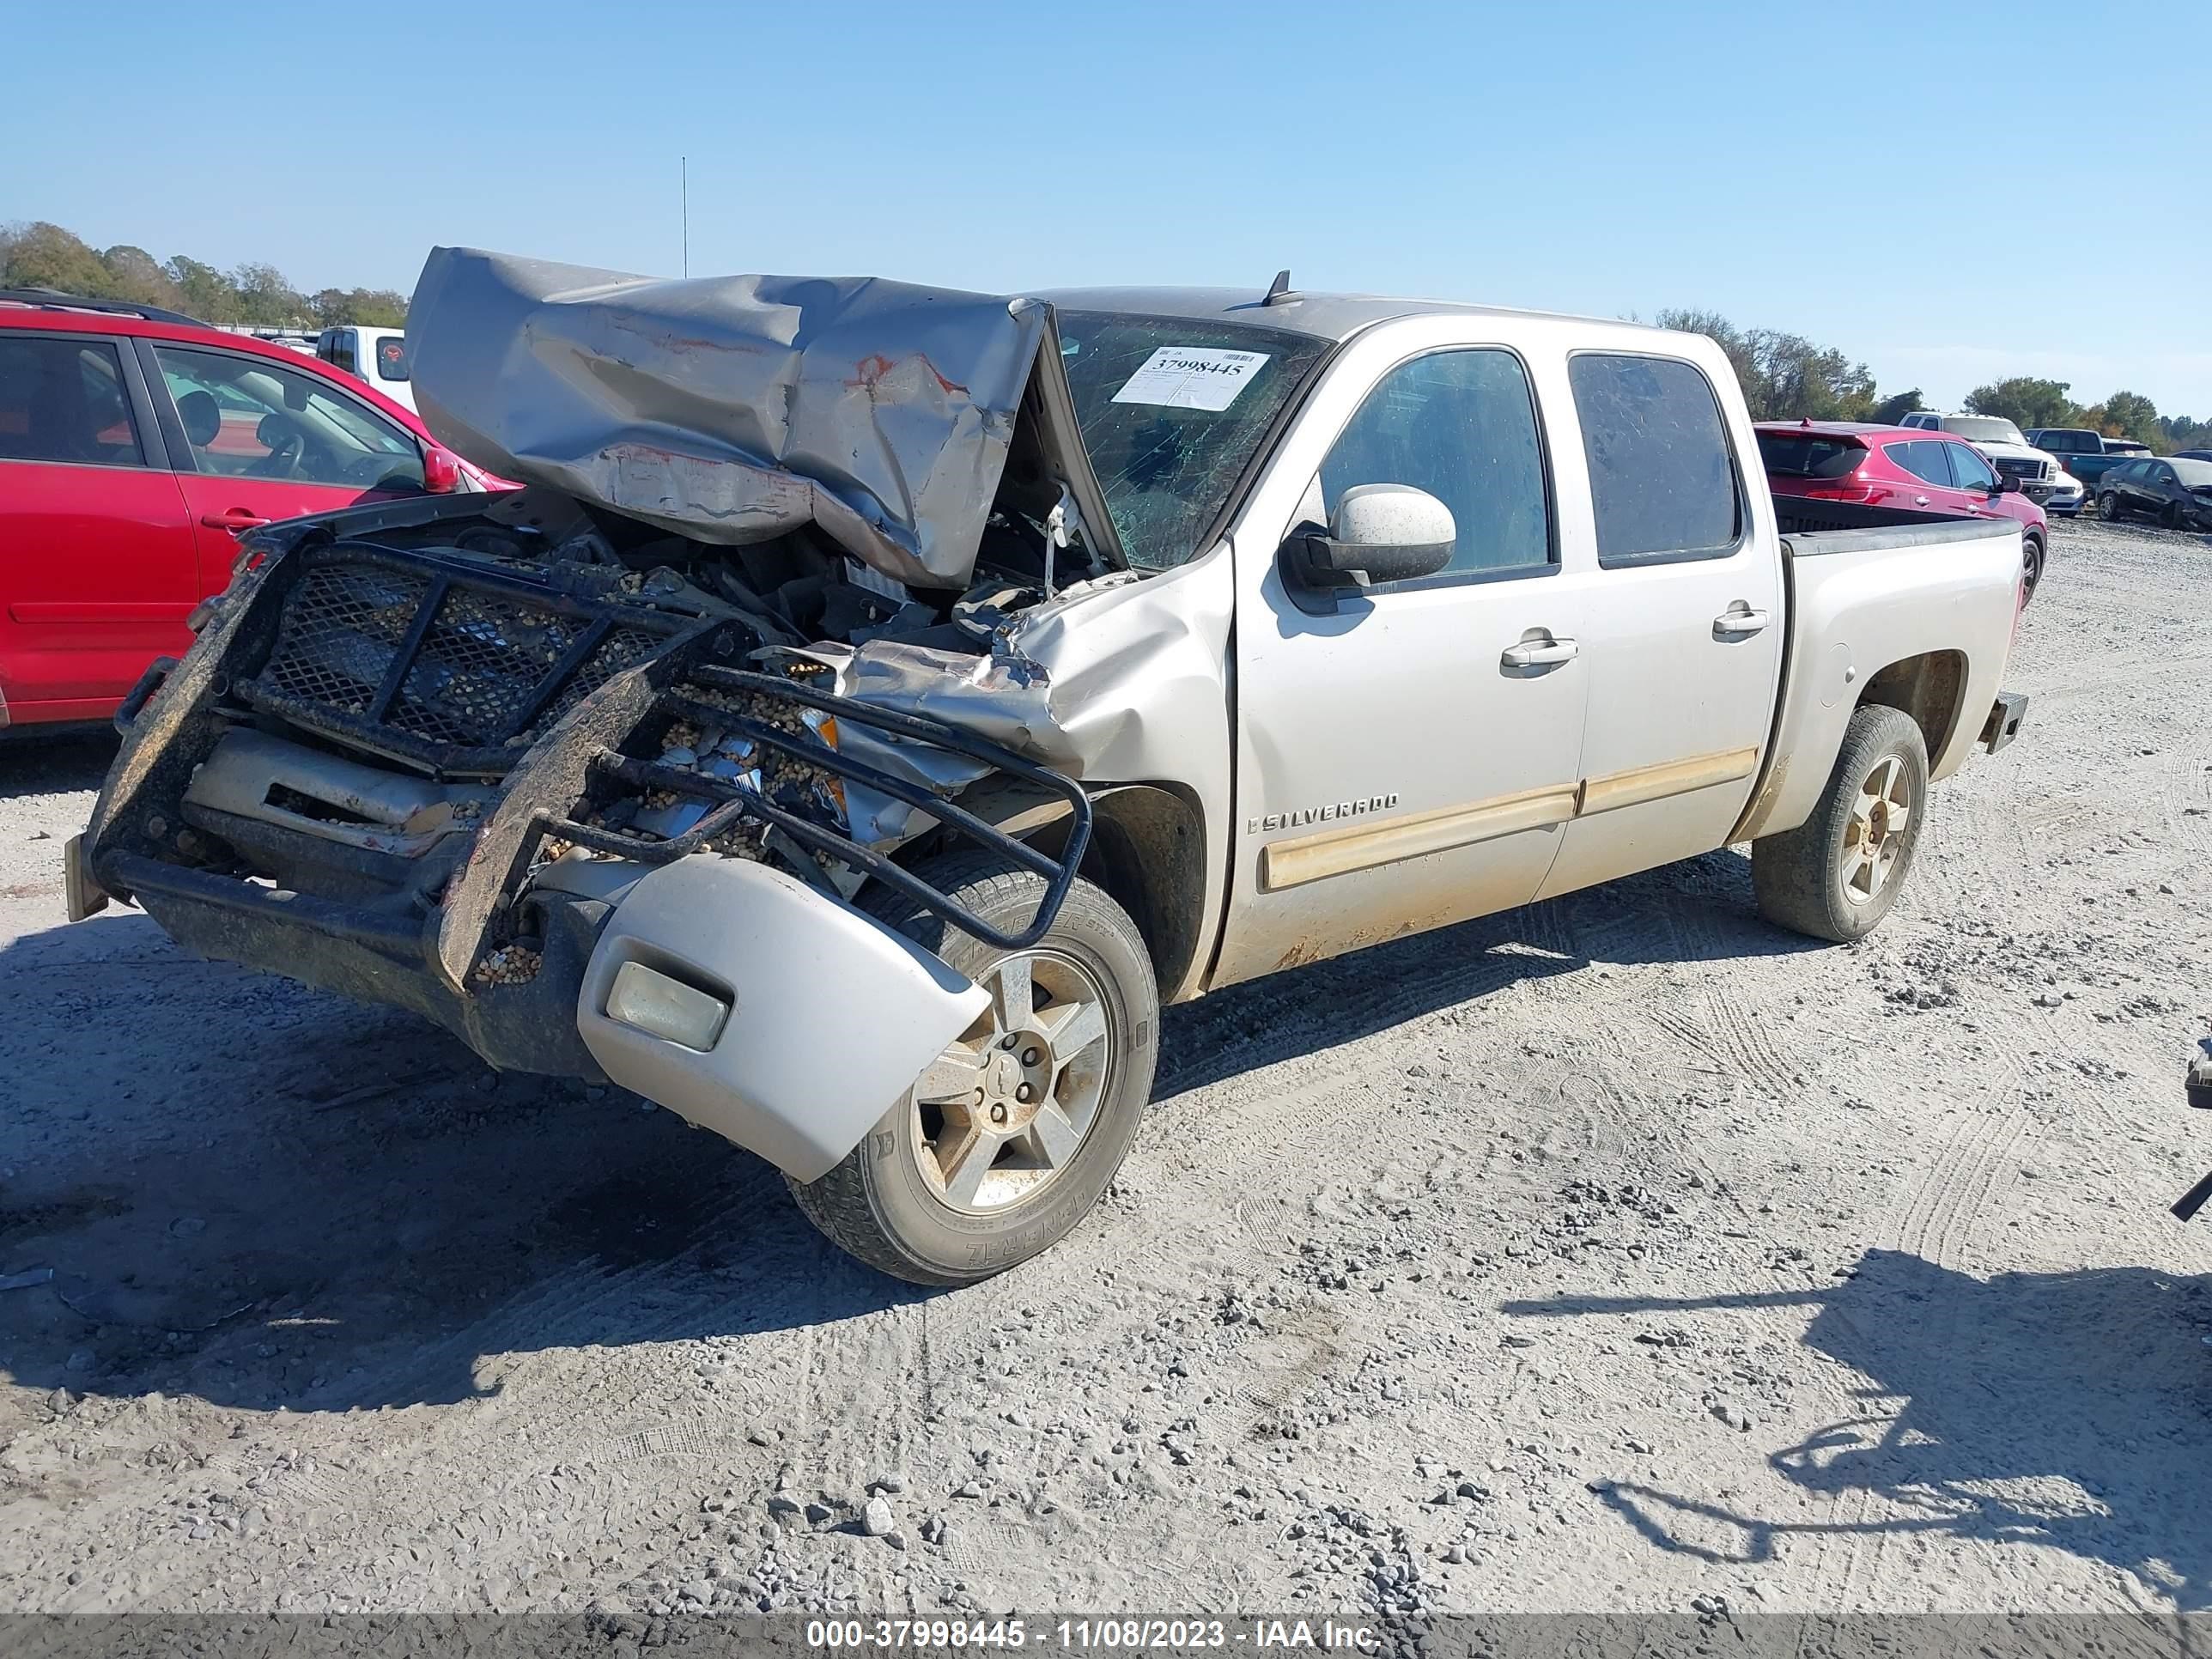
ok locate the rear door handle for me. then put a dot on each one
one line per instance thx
(233, 518)
(1920, 500)
(1739, 623)
(1538, 653)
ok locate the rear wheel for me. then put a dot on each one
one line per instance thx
(2031, 557)
(1008, 1139)
(1836, 875)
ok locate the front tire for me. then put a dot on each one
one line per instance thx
(1836, 875)
(2108, 508)
(1010, 1137)
(2033, 554)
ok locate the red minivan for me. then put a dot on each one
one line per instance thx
(135, 445)
(1914, 468)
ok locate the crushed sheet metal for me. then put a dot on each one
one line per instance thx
(732, 409)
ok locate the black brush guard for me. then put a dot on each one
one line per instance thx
(451, 668)
(729, 801)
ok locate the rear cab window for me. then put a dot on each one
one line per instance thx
(1809, 456)
(1664, 485)
(64, 400)
(392, 357)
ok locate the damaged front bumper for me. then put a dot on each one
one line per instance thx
(364, 774)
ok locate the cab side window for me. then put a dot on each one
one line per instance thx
(1460, 425)
(1925, 458)
(1664, 479)
(64, 400)
(248, 418)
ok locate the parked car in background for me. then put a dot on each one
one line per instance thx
(2088, 454)
(376, 356)
(2190, 455)
(135, 446)
(1921, 469)
(2175, 490)
(2043, 478)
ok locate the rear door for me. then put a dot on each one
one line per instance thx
(260, 441)
(97, 571)
(1927, 460)
(2130, 482)
(1685, 621)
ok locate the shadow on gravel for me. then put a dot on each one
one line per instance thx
(1699, 910)
(263, 1195)
(2064, 1409)
(37, 762)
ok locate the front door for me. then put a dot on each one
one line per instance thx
(1979, 490)
(97, 572)
(268, 441)
(1687, 618)
(1405, 758)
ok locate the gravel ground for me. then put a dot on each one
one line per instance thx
(1619, 1253)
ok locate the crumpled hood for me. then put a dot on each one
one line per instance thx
(735, 408)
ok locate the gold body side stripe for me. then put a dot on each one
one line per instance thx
(1642, 783)
(1303, 859)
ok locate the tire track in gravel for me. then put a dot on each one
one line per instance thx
(1932, 1217)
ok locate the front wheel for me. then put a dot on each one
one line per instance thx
(1836, 875)
(1009, 1138)
(2031, 557)
(2108, 508)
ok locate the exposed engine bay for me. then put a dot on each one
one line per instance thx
(761, 599)
(478, 721)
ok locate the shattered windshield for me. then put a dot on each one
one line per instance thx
(1172, 410)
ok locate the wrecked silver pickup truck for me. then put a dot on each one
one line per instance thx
(881, 699)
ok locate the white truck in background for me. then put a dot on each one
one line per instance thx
(376, 355)
(1220, 634)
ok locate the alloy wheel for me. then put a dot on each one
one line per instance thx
(1003, 1111)
(1873, 836)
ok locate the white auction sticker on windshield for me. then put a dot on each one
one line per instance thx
(1191, 377)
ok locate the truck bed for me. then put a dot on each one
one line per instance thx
(1880, 595)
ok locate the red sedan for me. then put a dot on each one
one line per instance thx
(1916, 469)
(135, 445)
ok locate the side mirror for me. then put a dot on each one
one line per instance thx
(441, 470)
(1381, 532)
(2007, 485)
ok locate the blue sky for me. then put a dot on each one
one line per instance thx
(1949, 191)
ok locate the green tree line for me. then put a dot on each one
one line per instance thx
(42, 255)
(1786, 377)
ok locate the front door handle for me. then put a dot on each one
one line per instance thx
(1739, 622)
(1920, 500)
(1538, 653)
(233, 518)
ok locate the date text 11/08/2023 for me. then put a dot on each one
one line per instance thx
(935, 1635)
